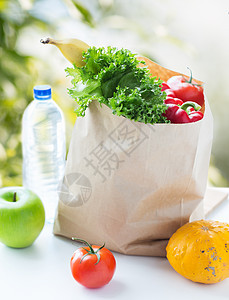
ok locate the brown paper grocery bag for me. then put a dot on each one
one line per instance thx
(131, 185)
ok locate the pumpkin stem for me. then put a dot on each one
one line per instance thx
(205, 228)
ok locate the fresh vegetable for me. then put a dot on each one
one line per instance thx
(171, 100)
(170, 93)
(193, 111)
(179, 112)
(164, 86)
(92, 266)
(113, 77)
(186, 90)
(123, 82)
(199, 251)
(176, 115)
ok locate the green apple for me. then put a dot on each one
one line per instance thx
(22, 217)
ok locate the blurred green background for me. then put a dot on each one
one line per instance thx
(174, 33)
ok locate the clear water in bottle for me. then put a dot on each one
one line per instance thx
(44, 148)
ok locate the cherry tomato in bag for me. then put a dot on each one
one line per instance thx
(92, 266)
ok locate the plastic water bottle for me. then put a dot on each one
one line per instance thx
(44, 148)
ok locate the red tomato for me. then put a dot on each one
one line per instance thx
(186, 90)
(92, 266)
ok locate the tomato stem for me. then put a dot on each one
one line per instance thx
(86, 243)
(15, 197)
(91, 251)
(190, 79)
(100, 248)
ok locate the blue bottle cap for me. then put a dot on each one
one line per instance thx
(42, 92)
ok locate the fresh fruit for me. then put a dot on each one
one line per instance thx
(22, 217)
(186, 90)
(92, 266)
(72, 49)
(199, 251)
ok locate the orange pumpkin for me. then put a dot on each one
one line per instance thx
(199, 251)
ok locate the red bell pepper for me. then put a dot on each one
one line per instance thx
(172, 100)
(193, 111)
(187, 112)
(170, 93)
(164, 86)
(167, 89)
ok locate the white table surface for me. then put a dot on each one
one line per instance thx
(42, 271)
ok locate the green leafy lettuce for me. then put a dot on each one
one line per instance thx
(113, 77)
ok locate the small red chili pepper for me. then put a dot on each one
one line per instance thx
(188, 112)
